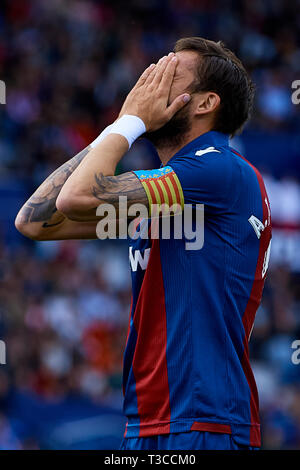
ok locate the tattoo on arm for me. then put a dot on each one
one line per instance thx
(41, 207)
(109, 188)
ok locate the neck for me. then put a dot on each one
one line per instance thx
(166, 152)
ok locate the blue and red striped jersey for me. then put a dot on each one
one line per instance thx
(186, 361)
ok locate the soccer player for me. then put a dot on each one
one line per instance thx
(188, 382)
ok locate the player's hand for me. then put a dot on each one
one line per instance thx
(150, 96)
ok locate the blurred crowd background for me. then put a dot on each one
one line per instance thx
(64, 306)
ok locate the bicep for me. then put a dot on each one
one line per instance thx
(109, 189)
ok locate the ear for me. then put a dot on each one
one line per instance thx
(207, 102)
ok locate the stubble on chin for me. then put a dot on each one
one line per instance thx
(173, 133)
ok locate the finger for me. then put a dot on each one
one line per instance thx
(145, 75)
(154, 71)
(177, 104)
(161, 68)
(168, 75)
(151, 75)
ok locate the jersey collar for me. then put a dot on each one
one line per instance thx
(211, 138)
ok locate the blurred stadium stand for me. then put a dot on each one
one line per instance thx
(64, 306)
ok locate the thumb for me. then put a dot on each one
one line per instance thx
(177, 104)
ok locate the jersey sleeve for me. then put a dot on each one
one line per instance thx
(162, 186)
(191, 180)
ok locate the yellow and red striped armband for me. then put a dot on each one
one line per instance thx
(162, 186)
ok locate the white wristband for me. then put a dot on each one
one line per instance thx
(129, 126)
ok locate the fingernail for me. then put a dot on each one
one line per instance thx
(186, 98)
(174, 59)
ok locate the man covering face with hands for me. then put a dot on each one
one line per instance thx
(187, 379)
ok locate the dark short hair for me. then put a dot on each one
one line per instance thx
(220, 71)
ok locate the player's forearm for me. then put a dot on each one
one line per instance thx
(39, 213)
(81, 194)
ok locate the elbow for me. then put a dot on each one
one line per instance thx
(29, 230)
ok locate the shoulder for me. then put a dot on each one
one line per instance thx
(204, 162)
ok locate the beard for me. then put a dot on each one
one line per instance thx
(172, 134)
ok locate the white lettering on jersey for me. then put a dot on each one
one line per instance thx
(207, 150)
(138, 259)
(257, 225)
(267, 222)
(266, 260)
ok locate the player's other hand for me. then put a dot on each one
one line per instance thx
(149, 98)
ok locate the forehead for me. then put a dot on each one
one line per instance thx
(187, 63)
